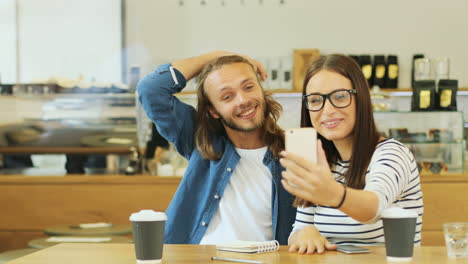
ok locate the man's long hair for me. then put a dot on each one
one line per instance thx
(365, 133)
(271, 134)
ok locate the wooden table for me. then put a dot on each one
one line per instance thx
(187, 254)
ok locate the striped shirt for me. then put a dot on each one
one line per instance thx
(393, 176)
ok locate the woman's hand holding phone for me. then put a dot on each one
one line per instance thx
(313, 182)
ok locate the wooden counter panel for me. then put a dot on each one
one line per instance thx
(444, 178)
(447, 202)
(17, 239)
(39, 205)
(433, 238)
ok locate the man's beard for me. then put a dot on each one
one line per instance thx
(232, 124)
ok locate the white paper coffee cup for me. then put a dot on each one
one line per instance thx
(399, 230)
(148, 235)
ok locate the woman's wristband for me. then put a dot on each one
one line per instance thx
(342, 199)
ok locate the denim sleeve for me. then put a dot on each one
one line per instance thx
(174, 119)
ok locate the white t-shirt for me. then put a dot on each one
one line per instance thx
(244, 211)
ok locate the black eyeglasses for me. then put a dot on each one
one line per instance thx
(340, 99)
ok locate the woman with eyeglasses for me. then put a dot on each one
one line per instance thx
(358, 172)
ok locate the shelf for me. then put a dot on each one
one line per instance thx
(431, 142)
(65, 150)
(391, 92)
(276, 94)
(70, 95)
(408, 112)
(409, 91)
(281, 93)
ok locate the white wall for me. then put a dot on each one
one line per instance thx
(65, 38)
(70, 38)
(162, 30)
(7, 41)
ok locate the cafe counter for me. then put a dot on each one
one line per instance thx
(29, 204)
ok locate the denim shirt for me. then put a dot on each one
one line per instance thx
(201, 189)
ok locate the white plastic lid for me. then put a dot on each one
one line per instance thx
(397, 212)
(148, 215)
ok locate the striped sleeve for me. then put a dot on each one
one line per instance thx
(393, 172)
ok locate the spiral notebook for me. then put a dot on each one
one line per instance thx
(250, 247)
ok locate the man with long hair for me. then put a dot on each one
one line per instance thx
(232, 186)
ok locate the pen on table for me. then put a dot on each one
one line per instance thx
(237, 260)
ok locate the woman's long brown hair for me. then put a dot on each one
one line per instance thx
(207, 126)
(365, 133)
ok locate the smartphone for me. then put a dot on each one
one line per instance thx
(303, 142)
(351, 249)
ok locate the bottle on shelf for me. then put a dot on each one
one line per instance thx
(391, 78)
(415, 57)
(447, 95)
(379, 70)
(366, 67)
(424, 96)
